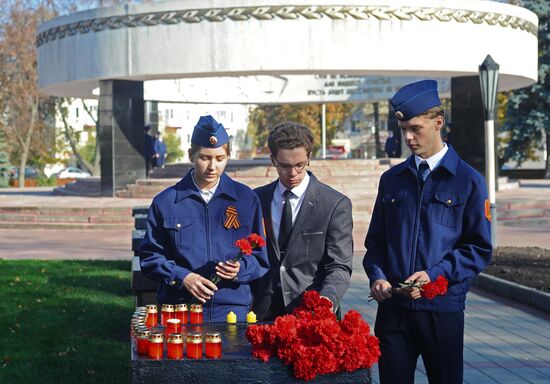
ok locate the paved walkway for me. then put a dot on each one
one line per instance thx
(505, 342)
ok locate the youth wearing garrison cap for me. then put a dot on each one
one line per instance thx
(192, 228)
(431, 218)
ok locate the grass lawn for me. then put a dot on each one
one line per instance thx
(64, 321)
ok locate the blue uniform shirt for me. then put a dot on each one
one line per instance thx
(184, 235)
(441, 228)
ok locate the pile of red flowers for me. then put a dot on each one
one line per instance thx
(434, 288)
(313, 342)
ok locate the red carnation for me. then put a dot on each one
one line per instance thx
(434, 288)
(256, 334)
(245, 246)
(256, 240)
(311, 300)
(262, 352)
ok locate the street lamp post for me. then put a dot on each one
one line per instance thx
(488, 78)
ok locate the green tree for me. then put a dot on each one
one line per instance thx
(5, 164)
(265, 117)
(173, 147)
(527, 122)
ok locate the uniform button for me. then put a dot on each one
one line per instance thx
(178, 225)
(282, 269)
(172, 283)
(449, 202)
(393, 200)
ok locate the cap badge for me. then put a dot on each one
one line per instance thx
(399, 115)
(213, 140)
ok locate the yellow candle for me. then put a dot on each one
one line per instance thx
(251, 317)
(231, 317)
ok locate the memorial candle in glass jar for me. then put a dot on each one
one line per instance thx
(166, 312)
(181, 313)
(152, 319)
(143, 341)
(213, 345)
(173, 326)
(175, 346)
(156, 345)
(196, 314)
(194, 345)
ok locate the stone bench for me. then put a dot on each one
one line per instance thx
(145, 290)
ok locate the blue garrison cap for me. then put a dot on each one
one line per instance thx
(414, 99)
(209, 133)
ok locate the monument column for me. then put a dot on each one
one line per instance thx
(121, 127)
(467, 129)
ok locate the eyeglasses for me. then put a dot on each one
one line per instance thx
(289, 167)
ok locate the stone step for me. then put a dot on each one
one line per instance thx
(520, 204)
(89, 186)
(62, 218)
(348, 176)
(66, 217)
(517, 214)
(525, 223)
(49, 210)
(263, 167)
(66, 226)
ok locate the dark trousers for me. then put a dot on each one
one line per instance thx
(404, 335)
(277, 306)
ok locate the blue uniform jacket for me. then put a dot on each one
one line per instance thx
(441, 228)
(184, 235)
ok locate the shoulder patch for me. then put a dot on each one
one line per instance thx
(488, 210)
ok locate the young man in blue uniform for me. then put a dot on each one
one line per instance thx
(431, 218)
(192, 228)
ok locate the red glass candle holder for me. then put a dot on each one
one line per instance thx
(152, 318)
(181, 313)
(166, 312)
(155, 348)
(143, 341)
(213, 345)
(175, 346)
(172, 326)
(194, 345)
(195, 316)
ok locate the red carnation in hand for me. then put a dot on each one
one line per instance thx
(245, 246)
(434, 288)
(256, 240)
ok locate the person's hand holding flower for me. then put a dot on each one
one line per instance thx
(230, 269)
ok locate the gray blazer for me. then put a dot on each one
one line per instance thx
(319, 252)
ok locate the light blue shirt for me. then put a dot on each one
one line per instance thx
(433, 161)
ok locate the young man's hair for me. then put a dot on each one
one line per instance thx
(195, 148)
(290, 135)
(433, 112)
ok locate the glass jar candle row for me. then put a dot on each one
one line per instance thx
(151, 344)
(193, 315)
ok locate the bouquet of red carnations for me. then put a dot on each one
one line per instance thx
(312, 341)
